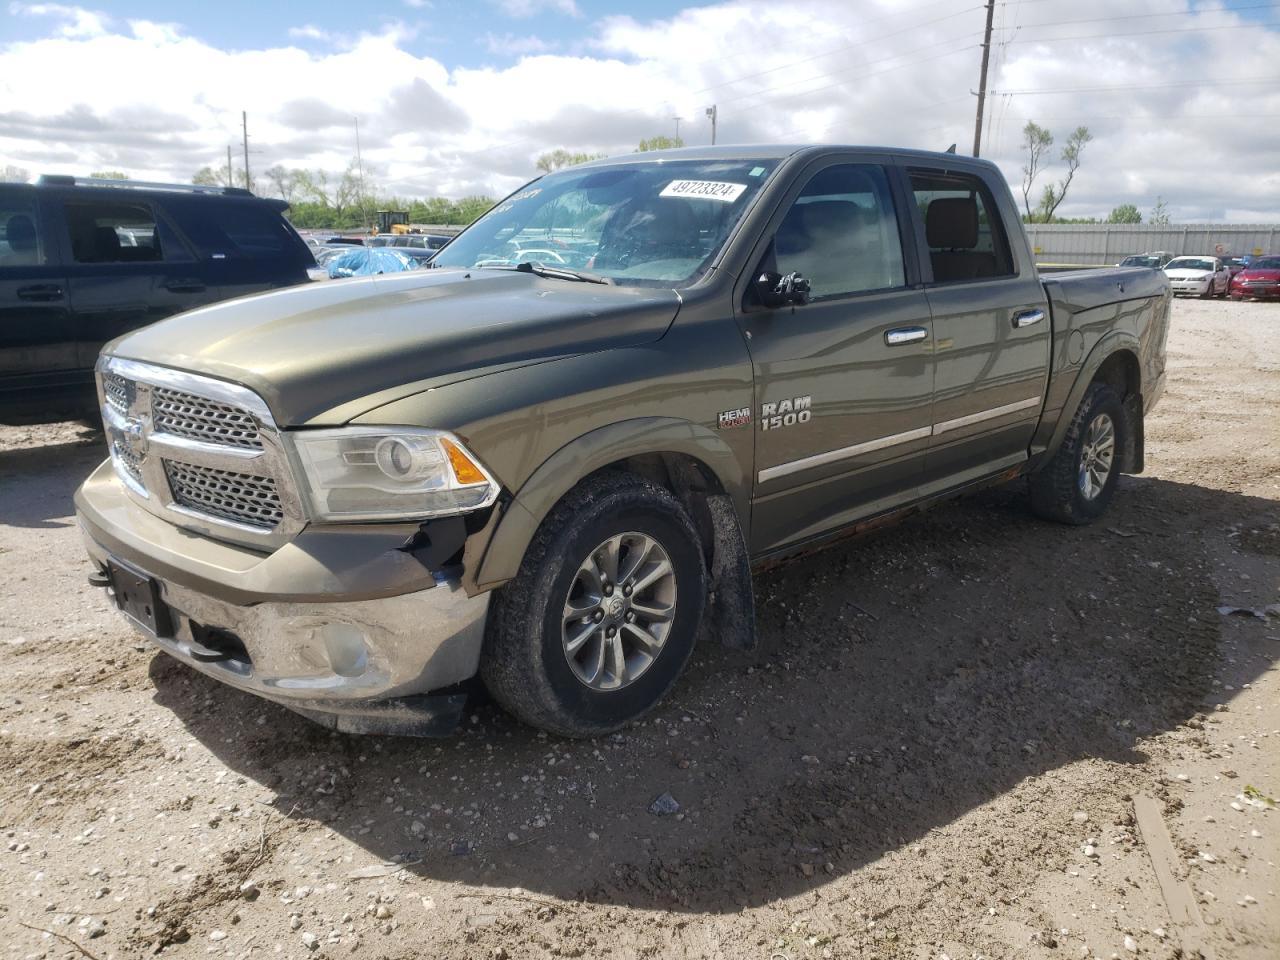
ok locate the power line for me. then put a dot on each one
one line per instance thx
(1240, 82)
(1142, 33)
(1158, 13)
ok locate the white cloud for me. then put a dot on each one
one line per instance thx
(418, 4)
(523, 9)
(76, 21)
(515, 45)
(1164, 124)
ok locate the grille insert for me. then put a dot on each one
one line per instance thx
(195, 418)
(238, 497)
(116, 389)
(128, 461)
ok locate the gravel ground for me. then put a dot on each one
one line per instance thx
(938, 750)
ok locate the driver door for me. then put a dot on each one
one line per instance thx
(844, 383)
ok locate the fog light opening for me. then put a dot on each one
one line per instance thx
(346, 647)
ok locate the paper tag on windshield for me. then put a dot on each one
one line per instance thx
(704, 190)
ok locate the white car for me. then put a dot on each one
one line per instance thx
(1203, 276)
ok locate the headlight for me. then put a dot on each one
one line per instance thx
(389, 473)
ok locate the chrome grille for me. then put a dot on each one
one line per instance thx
(196, 418)
(128, 461)
(238, 497)
(116, 390)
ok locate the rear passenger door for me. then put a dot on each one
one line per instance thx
(844, 382)
(990, 323)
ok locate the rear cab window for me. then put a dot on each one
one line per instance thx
(962, 227)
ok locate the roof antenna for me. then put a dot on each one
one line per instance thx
(951, 149)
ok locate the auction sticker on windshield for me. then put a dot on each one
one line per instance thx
(704, 189)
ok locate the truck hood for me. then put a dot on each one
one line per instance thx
(326, 352)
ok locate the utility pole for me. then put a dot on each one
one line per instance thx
(982, 80)
(231, 180)
(677, 120)
(711, 112)
(364, 213)
(244, 121)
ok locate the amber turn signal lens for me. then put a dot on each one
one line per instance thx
(463, 468)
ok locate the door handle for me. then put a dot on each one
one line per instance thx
(1027, 317)
(900, 335)
(184, 286)
(40, 292)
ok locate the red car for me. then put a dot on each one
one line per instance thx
(1261, 279)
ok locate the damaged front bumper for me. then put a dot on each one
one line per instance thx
(342, 625)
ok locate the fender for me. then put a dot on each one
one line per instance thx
(590, 452)
(1110, 344)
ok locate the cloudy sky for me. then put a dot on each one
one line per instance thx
(456, 98)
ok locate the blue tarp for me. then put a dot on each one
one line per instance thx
(367, 261)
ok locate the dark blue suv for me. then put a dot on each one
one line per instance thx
(83, 261)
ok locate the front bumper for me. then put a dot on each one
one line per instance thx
(1260, 291)
(1198, 287)
(340, 625)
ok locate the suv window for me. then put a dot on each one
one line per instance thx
(20, 244)
(112, 232)
(966, 238)
(225, 229)
(841, 233)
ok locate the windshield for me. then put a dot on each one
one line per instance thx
(655, 223)
(1265, 263)
(1189, 263)
(1140, 262)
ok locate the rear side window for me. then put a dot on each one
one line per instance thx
(20, 241)
(841, 233)
(249, 230)
(112, 232)
(963, 229)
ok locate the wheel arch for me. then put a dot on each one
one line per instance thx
(1114, 361)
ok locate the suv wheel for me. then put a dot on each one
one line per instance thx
(602, 616)
(1078, 483)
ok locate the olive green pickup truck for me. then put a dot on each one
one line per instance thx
(553, 460)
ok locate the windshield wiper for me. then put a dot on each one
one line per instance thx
(538, 268)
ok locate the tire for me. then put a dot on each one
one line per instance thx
(526, 662)
(1064, 489)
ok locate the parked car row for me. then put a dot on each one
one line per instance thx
(1243, 277)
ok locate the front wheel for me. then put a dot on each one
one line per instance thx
(1076, 486)
(602, 616)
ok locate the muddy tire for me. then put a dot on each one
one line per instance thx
(602, 616)
(1076, 486)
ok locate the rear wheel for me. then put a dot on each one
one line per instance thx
(1076, 486)
(602, 616)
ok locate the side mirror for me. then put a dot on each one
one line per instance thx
(776, 290)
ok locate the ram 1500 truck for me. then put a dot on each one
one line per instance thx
(554, 459)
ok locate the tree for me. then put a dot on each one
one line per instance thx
(284, 182)
(219, 176)
(1125, 213)
(1036, 140)
(659, 143)
(470, 209)
(109, 175)
(560, 158)
(12, 174)
(1159, 213)
(1053, 196)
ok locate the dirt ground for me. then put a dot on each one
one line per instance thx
(938, 751)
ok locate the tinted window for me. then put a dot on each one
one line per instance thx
(20, 243)
(112, 232)
(842, 233)
(237, 229)
(963, 229)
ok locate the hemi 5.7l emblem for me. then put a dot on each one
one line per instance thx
(785, 413)
(734, 418)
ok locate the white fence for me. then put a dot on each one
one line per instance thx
(1101, 243)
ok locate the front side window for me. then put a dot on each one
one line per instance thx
(841, 233)
(112, 232)
(648, 223)
(962, 226)
(20, 244)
